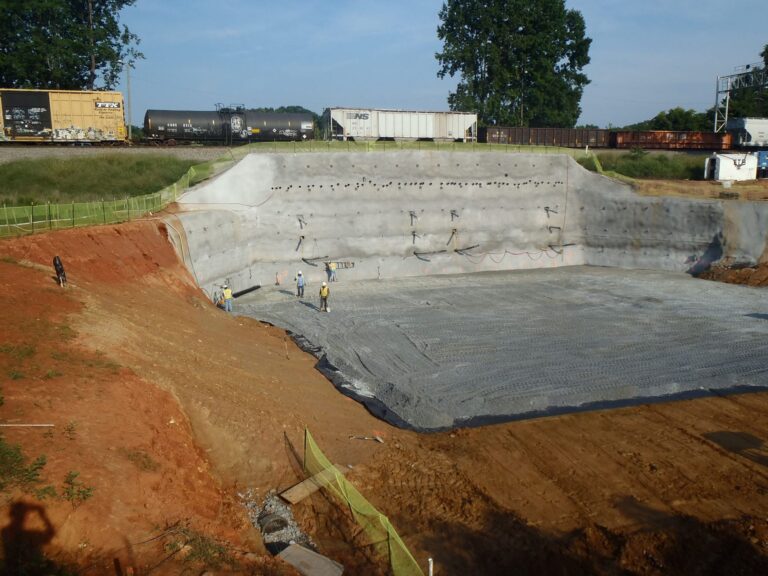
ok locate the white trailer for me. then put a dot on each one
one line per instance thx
(731, 167)
(372, 124)
(749, 132)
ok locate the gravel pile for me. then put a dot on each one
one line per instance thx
(275, 521)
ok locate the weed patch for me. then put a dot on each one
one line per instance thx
(141, 460)
(74, 491)
(17, 473)
(65, 332)
(51, 374)
(70, 430)
(16, 375)
(198, 547)
(18, 353)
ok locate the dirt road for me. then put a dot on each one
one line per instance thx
(177, 406)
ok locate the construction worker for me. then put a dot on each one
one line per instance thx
(61, 276)
(227, 298)
(300, 285)
(324, 293)
(332, 269)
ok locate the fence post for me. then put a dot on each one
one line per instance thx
(103, 211)
(7, 222)
(49, 214)
(32, 217)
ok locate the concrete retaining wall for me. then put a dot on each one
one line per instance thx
(421, 213)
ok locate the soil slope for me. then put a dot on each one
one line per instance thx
(168, 408)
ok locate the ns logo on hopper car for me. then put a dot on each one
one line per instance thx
(358, 115)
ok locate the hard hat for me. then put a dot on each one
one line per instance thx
(225, 286)
(324, 284)
(299, 272)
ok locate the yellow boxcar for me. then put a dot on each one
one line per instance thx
(61, 116)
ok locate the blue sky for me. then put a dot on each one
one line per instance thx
(647, 55)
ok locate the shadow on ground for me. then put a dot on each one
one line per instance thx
(657, 544)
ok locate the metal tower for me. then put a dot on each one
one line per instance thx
(749, 76)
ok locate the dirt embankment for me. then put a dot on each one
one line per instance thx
(168, 407)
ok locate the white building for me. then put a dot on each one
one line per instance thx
(731, 167)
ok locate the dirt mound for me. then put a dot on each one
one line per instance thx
(748, 275)
(168, 407)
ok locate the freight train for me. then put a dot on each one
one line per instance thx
(599, 138)
(96, 117)
(227, 125)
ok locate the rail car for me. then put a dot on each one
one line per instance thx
(601, 138)
(670, 140)
(227, 126)
(566, 137)
(372, 124)
(61, 116)
(749, 132)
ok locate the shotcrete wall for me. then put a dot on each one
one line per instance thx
(422, 213)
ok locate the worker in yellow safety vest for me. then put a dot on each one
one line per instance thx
(324, 293)
(227, 298)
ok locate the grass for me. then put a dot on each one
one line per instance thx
(106, 176)
(647, 165)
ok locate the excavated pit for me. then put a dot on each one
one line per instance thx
(438, 352)
(478, 288)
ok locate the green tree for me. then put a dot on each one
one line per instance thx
(519, 61)
(64, 44)
(676, 119)
(751, 99)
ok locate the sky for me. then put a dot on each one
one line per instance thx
(646, 55)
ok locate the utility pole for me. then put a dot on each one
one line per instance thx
(92, 77)
(128, 100)
(128, 95)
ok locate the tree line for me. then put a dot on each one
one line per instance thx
(518, 62)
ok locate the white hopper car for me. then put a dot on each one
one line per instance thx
(372, 124)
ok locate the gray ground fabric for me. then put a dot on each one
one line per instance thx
(437, 352)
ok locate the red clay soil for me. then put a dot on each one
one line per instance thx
(168, 407)
(749, 275)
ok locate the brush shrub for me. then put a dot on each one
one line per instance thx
(650, 165)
